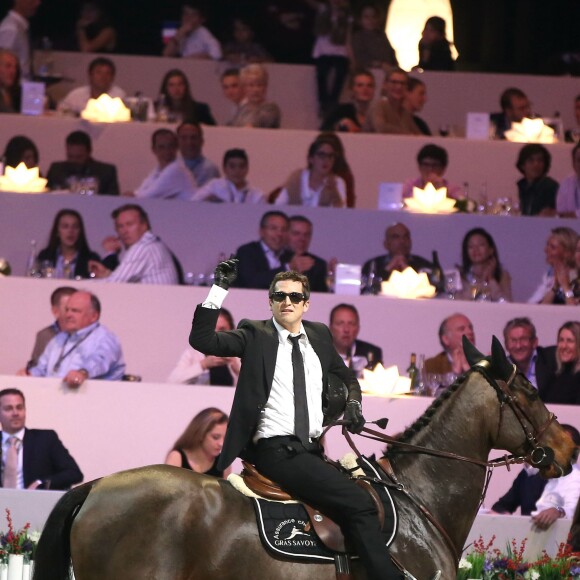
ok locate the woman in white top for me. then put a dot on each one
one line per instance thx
(317, 185)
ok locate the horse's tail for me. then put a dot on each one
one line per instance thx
(52, 559)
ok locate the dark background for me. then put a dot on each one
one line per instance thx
(522, 36)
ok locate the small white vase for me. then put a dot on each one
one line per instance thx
(3, 571)
(26, 572)
(15, 565)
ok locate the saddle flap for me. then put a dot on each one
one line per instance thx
(326, 529)
(261, 485)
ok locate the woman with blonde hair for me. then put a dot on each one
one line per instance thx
(199, 446)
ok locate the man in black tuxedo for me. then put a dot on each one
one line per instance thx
(536, 363)
(515, 105)
(260, 261)
(32, 458)
(278, 410)
(344, 327)
(79, 164)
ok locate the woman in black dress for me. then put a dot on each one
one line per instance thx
(199, 446)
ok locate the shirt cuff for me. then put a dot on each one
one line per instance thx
(215, 298)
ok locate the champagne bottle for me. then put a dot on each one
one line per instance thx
(437, 277)
(370, 361)
(413, 371)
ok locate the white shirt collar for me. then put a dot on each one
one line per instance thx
(18, 435)
(283, 333)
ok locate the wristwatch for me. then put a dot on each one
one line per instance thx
(561, 511)
(569, 293)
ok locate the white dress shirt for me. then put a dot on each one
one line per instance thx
(174, 181)
(562, 492)
(76, 101)
(201, 41)
(14, 37)
(5, 445)
(568, 198)
(222, 189)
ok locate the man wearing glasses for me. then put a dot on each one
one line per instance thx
(277, 414)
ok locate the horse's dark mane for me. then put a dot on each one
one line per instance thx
(427, 416)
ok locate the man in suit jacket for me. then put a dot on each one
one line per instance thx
(515, 105)
(537, 363)
(79, 164)
(260, 261)
(344, 327)
(524, 493)
(277, 414)
(43, 462)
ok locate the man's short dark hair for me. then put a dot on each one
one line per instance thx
(235, 154)
(102, 61)
(190, 122)
(230, 72)
(132, 207)
(505, 100)
(12, 391)
(572, 431)
(396, 70)
(344, 306)
(300, 219)
(432, 151)
(414, 82)
(361, 72)
(80, 138)
(59, 293)
(160, 132)
(273, 213)
(294, 277)
(520, 322)
(531, 149)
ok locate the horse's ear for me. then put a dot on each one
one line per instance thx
(499, 359)
(471, 353)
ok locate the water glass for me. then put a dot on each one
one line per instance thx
(46, 269)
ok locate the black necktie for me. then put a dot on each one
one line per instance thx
(301, 425)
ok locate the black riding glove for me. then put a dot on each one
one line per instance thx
(353, 416)
(226, 273)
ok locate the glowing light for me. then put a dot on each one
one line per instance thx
(531, 131)
(384, 382)
(22, 180)
(408, 284)
(430, 200)
(106, 109)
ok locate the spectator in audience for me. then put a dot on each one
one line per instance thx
(170, 179)
(193, 39)
(575, 530)
(21, 149)
(369, 44)
(200, 445)
(357, 354)
(341, 166)
(330, 52)
(573, 135)
(564, 388)
(434, 48)
(14, 34)
(101, 78)
(135, 254)
(233, 91)
(94, 31)
(260, 261)
(452, 359)
(68, 250)
(299, 238)
(190, 140)
(10, 91)
(556, 285)
(481, 267)
(398, 244)
(350, 117)
(317, 185)
(560, 496)
(84, 349)
(537, 191)
(79, 164)
(515, 105)
(432, 161)
(254, 110)
(243, 48)
(58, 301)
(568, 197)
(234, 187)
(388, 115)
(195, 368)
(536, 363)
(32, 458)
(524, 493)
(180, 105)
(414, 102)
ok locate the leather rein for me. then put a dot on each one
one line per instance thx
(539, 456)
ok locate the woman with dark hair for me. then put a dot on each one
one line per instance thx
(10, 92)
(481, 268)
(199, 446)
(537, 191)
(318, 184)
(21, 149)
(180, 105)
(434, 48)
(564, 389)
(94, 32)
(68, 250)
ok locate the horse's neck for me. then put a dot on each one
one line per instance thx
(451, 489)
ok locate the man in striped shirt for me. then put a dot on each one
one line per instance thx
(135, 254)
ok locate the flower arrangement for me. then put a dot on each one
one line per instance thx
(485, 563)
(17, 542)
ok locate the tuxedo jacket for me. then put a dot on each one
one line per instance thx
(545, 368)
(524, 493)
(362, 348)
(256, 343)
(317, 274)
(47, 459)
(253, 268)
(106, 173)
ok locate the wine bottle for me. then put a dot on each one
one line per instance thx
(370, 361)
(413, 371)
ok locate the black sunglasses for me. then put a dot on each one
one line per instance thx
(295, 297)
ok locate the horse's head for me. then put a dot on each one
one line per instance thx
(525, 427)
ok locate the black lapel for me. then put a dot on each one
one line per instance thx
(270, 352)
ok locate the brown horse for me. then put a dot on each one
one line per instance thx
(164, 523)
